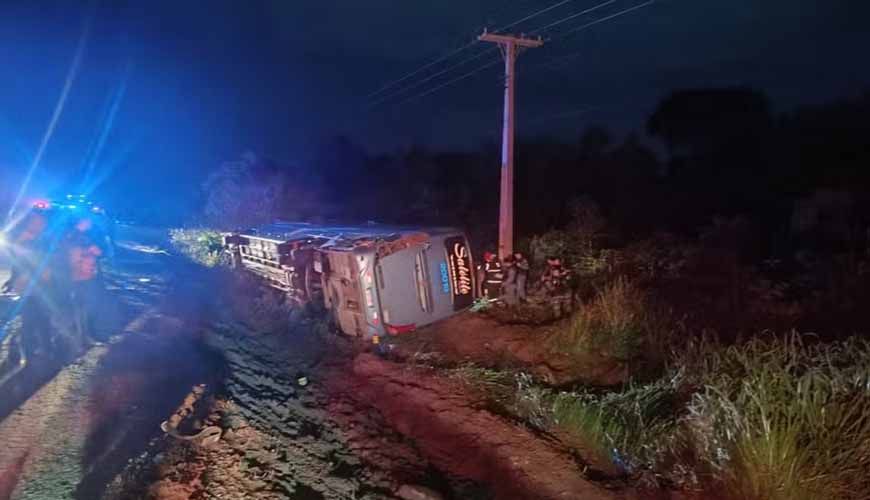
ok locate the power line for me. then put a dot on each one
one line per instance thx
(536, 14)
(451, 82)
(451, 54)
(496, 61)
(572, 16)
(432, 76)
(607, 18)
(554, 61)
(421, 69)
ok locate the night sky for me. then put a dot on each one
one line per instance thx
(166, 90)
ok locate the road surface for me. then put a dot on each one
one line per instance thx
(69, 424)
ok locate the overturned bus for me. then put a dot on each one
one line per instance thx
(374, 279)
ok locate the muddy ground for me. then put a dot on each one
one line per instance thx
(362, 427)
(299, 413)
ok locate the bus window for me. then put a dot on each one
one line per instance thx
(421, 275)
(379, 276)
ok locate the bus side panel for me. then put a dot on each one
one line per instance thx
(398, 290)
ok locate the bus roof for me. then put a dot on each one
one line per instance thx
(341, 236)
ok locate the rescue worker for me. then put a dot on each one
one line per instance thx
(489, 277)
(521, 265)
(509, 286)
(31, 279)
(79, 275)
(554, 285)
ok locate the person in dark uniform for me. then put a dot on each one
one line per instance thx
(554, 285)
(489, 277)
(521, 265)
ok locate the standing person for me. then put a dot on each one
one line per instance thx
(509, 286)
(521, 264)
(554, 283)
(31, 279)
(81, 251)
(489, 277)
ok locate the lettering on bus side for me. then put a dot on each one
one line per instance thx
(459, 263)
(445, 278)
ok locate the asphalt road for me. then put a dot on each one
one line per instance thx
(70, 423)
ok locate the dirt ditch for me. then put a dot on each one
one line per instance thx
(307, 417)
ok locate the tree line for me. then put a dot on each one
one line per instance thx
(724, 153)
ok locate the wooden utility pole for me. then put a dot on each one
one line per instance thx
(510, 46)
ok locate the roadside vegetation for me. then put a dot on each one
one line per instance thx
(779, 417)
(616, 323)
(202, 245)
(719, 398)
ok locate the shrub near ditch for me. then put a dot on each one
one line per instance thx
(775, 418)
(203, 246)
(783, 419)
(615, 324)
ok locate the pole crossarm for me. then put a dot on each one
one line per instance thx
(519, 41)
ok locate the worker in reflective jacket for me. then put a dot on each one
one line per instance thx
(489, 277)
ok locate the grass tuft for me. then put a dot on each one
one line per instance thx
(782, 418)
(615, 324)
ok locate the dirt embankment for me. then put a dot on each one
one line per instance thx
(476, 338)
(282, 439)
(361, 427)
(456, 433)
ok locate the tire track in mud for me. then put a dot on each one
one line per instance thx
(454, 431)
(328, 449)
(367, 426)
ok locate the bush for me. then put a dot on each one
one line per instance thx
(659, 258)
(633, 428)
(615, 324)
(783, 419)
(775, 418)
(580, 246)
(204, 246)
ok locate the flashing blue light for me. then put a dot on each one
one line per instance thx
(72, 206)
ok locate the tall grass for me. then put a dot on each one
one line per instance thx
(633, 427)
(776, 418)
(784, 419)
(614, 324)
